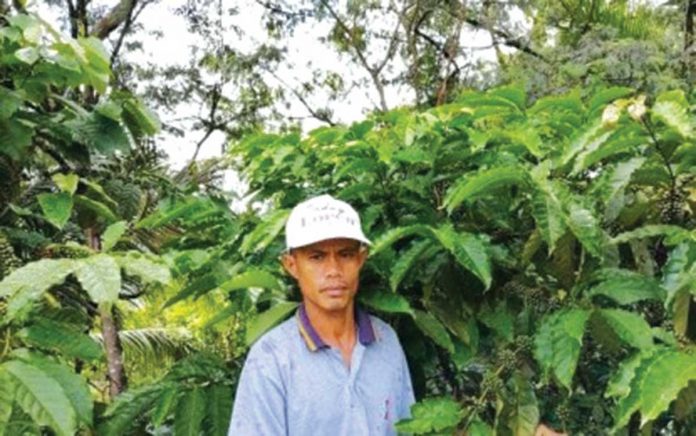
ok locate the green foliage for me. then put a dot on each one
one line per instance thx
(527, 237)
(558, 344)
(264, 321)
(41, 397)
(537, 248)
(434, 415)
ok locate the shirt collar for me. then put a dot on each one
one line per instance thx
(366, 332)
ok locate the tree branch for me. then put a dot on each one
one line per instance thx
(114, 18)
(126, 28)
(323, 117)
(374, 73)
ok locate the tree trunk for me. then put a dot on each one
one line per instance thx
(689, 40)
(112, 342)
(114, 352)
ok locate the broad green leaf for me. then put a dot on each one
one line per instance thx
(7, 392)
(547, 210)
(657, 382)
(469, 251)
(681, 311)
(558, 343)
(28, 283)
(100, 133)
(434, 329)
(190, 411)
(11, 102)
(164, 405)
(589, 148)
(479, 428)
(432, 415)
(66, 182)
(100, 276)
(56, 207)
(96, 192)
(388, 238)
(513, 93)
(620, 177)
(112, 234)
(74, 386)
(627, 287)
(406, 261)
(98, 68)
(252, 279)
(177, 211)
(630, 327)
(584, 140)
(139, 119)
(587, 230)
(672, 233)
(519, 415)
(675, 275)
(672, 108)
(219, 404)
(28, 55)
(499, 319)
(265, 232)
(483, 183)
(42, 397)
(606, 96)
(148, 267)
(15, 137)
(616, 144)
(555, 104)
(386, 302)
(123, 413)
(46, 333)
(96, 207)
(264, 321)
(619, 384)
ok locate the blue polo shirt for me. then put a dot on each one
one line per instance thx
(295, 384)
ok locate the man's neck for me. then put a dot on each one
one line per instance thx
(336, 328)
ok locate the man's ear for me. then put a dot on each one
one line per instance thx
(362, 253)
(290, 264)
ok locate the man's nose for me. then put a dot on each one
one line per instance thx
(333, 267)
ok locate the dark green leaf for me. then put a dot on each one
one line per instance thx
(65, 338)
(41, 397)
(268, 319)
(434, 329)
(627, 287)
(558, 343)
(386, 302)
(432, 415)
(190, 411)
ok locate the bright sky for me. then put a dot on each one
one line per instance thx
(304, 48)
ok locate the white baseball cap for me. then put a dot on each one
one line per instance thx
(320, 218)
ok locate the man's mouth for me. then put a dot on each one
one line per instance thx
(334, 291)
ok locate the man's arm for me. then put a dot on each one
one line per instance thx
(259, 405)
(406, 397)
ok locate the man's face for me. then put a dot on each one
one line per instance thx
(327, 272)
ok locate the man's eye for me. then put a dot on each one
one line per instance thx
(315, 256)
(348, 254)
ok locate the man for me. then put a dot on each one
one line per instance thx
(332, 369)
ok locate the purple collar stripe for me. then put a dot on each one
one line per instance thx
(366, 332)
(310, 335)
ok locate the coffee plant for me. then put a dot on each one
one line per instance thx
(536, 256)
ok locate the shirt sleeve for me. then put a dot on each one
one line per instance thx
(406, 397)
(259, 405)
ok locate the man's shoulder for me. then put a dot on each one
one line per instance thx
(276, 338)
(383, 331)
